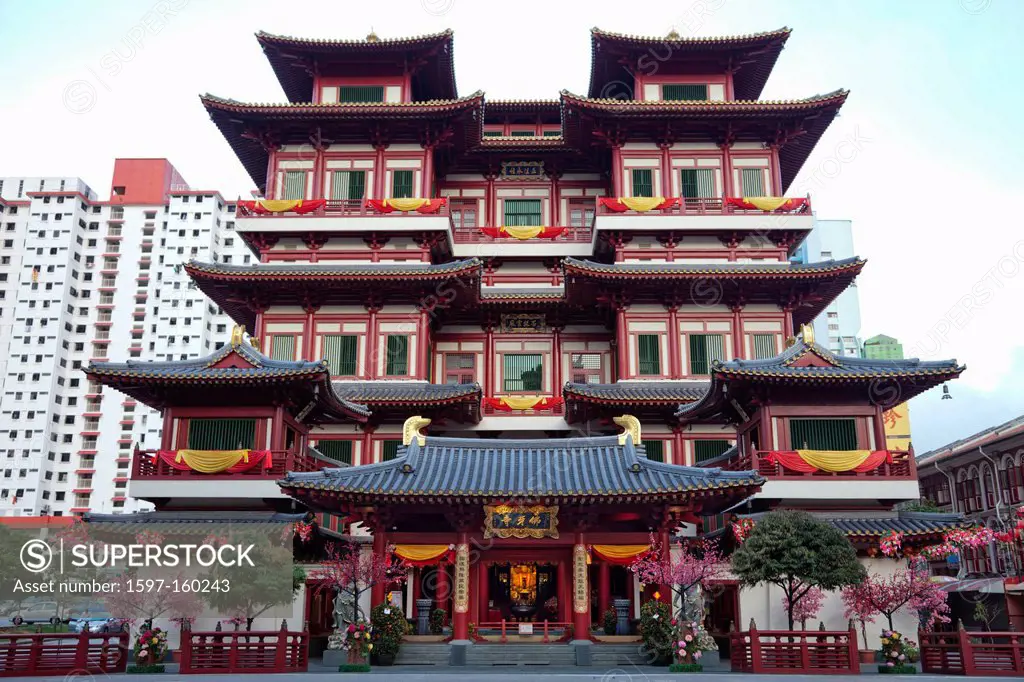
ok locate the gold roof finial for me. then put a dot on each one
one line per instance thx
(238, 335)
(372, 37)
(673, 34)
(412, 430)
(807, 332)
(631, 427)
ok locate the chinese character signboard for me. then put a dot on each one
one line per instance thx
(523, 323)
(897, 427)
(516, 521)
(522, 170)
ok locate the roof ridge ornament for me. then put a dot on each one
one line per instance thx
(631, 427)
(411, 430)
(237, 335)
(673, 34)
(807, 332)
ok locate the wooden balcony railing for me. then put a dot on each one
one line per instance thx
(569, 235)
(902, 466)
(147, 466)
(341, 208)
(714, 206)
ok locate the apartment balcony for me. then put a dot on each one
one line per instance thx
(153, 477)
(706, 214)
(893, 477)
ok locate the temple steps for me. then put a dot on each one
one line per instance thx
(414, 653)
(513, 655)
(611, 655)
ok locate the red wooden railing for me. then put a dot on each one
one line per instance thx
(244, 652)
(473, 235)
(544, 628)
(146, 466)
(794, 652)
(491, 411)
(346, 208)
(972, 653)
(709, 206)
(34, 655)
(901, 467)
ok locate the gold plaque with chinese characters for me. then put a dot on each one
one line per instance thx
(518, 521)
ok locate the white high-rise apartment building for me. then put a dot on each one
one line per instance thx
(83, 280)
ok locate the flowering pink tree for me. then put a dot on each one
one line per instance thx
(806, 606)
(860, 608)
(352, 572)
(699, 563)
(906, 589)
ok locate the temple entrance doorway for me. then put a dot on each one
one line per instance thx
(523, 592)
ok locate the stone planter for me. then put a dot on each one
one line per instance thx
(867, 656)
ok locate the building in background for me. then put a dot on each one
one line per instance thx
(882, 347)
(897, 417)
(87, 280)
(838, 326)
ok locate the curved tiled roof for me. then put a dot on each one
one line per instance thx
(970, 444)
(288, 271)
(596, 469)
(627, 392)
(266, 38)
(684, 270)
(738, 39)
(414, 392)
(910, 524)
(327, 110)
(728, 107)
(516, 294)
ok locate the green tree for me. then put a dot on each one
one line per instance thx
(797, 552)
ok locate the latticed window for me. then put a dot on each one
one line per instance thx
(643, 182)
(397, 355)
(655, 450)
(703, 450)
(752, 182)
(361, 93)
(492, 133)
(338, 450)
(389, 449)
(523, 133)
(649, 354)
(459, 368)
(463, 213)
(823, 434)
(586, 368)
(340, 351)
(685, 91)
(401, 184)
(522, 212)
(764, 346)
(552, 133)
(523, 372)
(698, 183)
(221, 434)
(581, 213)
(348, 185)
(282, 347)
(705, 349)
(294, 185)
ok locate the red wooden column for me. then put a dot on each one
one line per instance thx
(604, 588)
(309, 336)
(556, 200)
(879, 426)
(581, 590)
(442, 590)
(776, 172)
(460, 596)
(379, 171)
(675, 370)
(428, 171)
(787, 321)
(490, 202)
(666, 169)
(666, 560)
(556, 366)
(727, 188)
(423, 351)
(739, 343)
(488, 378)
(372, 340)
(366, 456)
(379, 547)
(617, 188)
(621, 341)
(271, 172)
(483, 593)
(564, 592)
(277, 429)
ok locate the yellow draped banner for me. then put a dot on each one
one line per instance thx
(420, 553)
(521, 402)
(211, 461)
(280, 205)
(766, 203)
(523, 233)
(642, 204)
(406, 204)
(834, 460)
(620, 554)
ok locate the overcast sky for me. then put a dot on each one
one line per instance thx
(922, 159)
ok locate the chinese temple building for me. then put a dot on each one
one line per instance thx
(517, 340)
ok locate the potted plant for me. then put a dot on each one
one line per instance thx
(894, 654)
(657, 632)
(688, 651)
(608, 621)
(437, 621)
(389, 626)
(358, 644)
(149, 650)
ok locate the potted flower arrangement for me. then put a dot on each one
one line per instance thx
(389, 626)
(894, 654)
(150, 649)
(688, 650)
(608, 621)
(437, 621)
(657, 632)
(358, 644)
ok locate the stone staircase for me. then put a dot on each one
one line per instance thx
(419, 653)
(618, 655)
(521, 655)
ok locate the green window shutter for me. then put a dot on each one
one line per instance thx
(752, 182)
(764, 346)
(294, 185)
(703, 450)
(221, 434)
(282, 347)
(686, 92)
(822, 434)
(401, 184)
(340, 351)
(397, 359)
(523, 372)
(698, 183)
(704, 349)
(643, 182)
(522, 212)
(523, 133)
(655, 450)
(389, 450)
(649, 350)
(361, 93)
(338, 450)
(552, 133)
(492, 133)
(348, 185)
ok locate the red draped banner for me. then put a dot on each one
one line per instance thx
(264, 206)
(523, 233)
(767, 203)
(794, 460)
(211, 461)
(406, 205)
(623, 204)
(512, 403)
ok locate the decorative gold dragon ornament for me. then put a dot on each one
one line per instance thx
(412, 428)
(631, 426)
